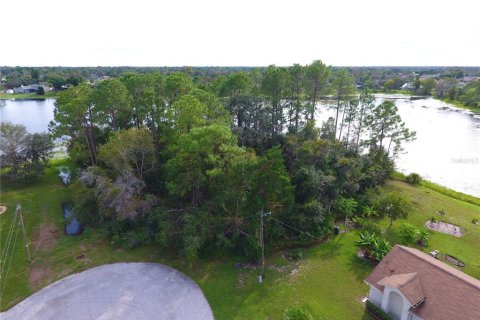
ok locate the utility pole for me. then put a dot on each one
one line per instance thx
(262, 243)
(19, 212)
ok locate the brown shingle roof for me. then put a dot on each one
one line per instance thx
(449, 293)
(409, 285)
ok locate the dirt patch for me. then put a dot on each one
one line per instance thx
(3, 209)
(46, 237)
(444, 227)
(453, 260)
(38, 275)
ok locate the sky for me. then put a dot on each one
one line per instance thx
(240, 33)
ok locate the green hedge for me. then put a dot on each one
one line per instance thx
(376, 312)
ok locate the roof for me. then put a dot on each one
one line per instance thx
(408, 284)
(448, 292)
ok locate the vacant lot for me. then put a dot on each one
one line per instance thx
(328, 281)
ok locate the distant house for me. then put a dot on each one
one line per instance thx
(411, 285)
(32, 88)
(9, 91)
(470, 79)
(407, 86)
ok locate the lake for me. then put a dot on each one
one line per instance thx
(446, 151)
(34, 114)
(447, 148)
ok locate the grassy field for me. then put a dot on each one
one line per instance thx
(27, 95)
(328, 281)
(426, 204)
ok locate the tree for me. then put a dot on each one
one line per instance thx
(40, 91)
(75, 116)
(346, 206)
(394, 205)
(296, 73)
(200, 156)
(273, 86)
(344, 87)
(112, 100)
(385, 123)
(119, 198)
(23, 155)
(389, 84)
(315, 84)
(131, 150)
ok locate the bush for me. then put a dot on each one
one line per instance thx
(294, 254)
(297, 313)
(475, 221)
(410, 235)
(433, 219)
(376, 311)
(367, 225)
(374, 246)
(413, 178)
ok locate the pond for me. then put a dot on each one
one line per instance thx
(72, 225)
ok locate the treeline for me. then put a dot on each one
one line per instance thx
(191, 165)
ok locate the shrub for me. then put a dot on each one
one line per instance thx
(475, 221)
(367, 225)
(409, 235)
(374, 246)
(413, 178)
(433, 219)
(376, 311)
(297, 313)
(294, 254)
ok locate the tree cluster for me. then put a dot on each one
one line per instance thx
(191, 164)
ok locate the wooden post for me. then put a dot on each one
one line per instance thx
(19, 212)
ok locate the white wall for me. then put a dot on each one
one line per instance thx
(406, 304)
(375, 296)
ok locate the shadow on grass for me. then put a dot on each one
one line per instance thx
(359, 267)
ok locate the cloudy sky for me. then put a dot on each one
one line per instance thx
(239, 33)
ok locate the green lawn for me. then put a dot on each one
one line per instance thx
(427, 203)
(328, 281)
(27, 95)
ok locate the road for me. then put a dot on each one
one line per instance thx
(140, 291)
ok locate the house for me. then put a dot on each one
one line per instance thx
(32, 88)
(9, 91)
(407, 86)
(411, 285)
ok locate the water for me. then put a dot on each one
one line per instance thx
(33, 114)
(446, 151)
(65, 175)
(72, 226)
(447, 148)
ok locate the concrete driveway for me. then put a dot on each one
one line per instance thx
(141, 291)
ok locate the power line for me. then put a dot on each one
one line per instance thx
(292, 227)
(6, 249)
(10, 261)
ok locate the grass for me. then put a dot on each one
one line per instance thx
(27, 95)
(460, 105)
(328, 281)
(441, 189)
(426, 204)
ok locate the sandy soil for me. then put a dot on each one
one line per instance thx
(46, 237)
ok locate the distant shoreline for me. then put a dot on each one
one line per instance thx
(15, 96)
